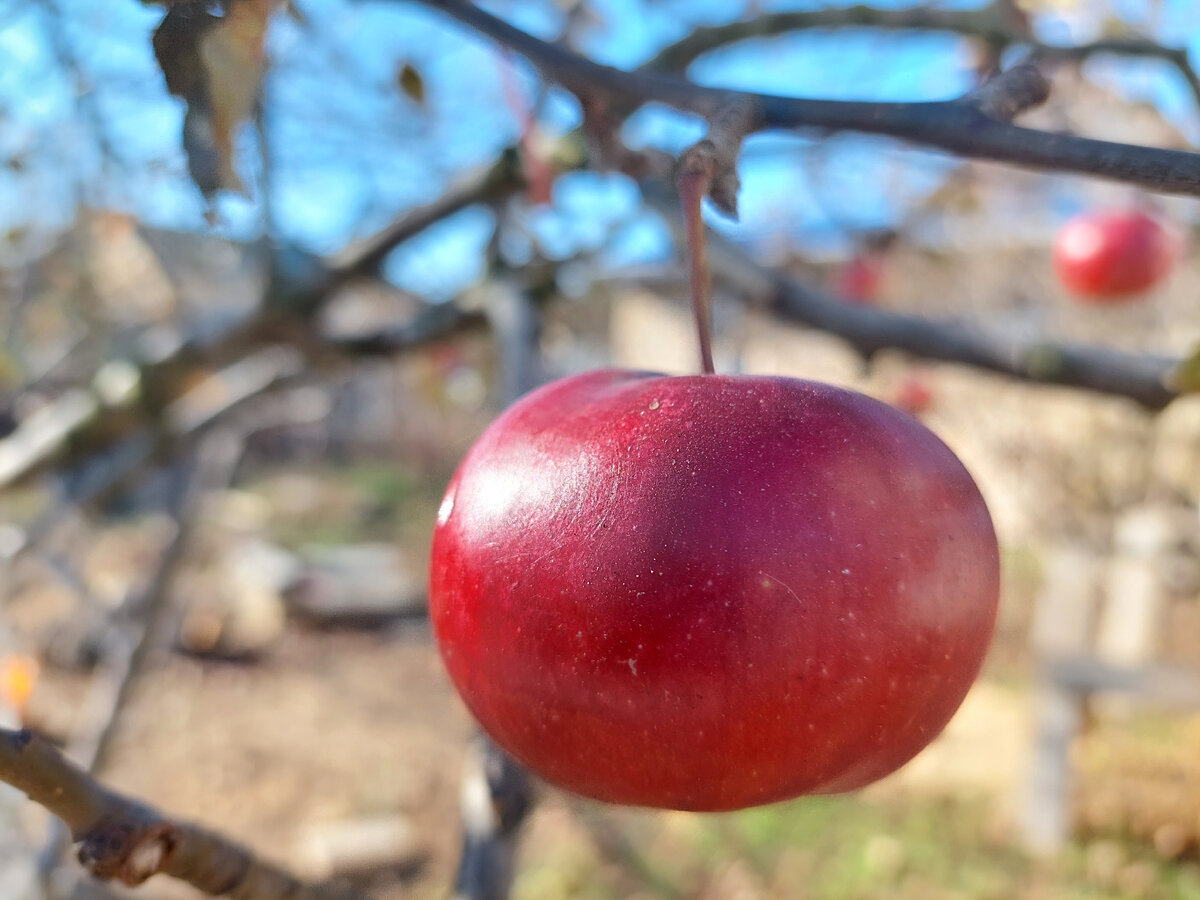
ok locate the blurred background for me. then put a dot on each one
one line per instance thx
(266, 271)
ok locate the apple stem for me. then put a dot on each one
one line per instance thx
(694, 182)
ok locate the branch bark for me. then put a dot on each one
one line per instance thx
(1144, 379)
(994, 23)
(489, 185)
(991, 22)
(958, 127)
(128, 841)
(145, 617)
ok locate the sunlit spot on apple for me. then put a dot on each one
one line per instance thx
(1084, 239)
(447, 507)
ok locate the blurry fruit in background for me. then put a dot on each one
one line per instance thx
(860, 279)
(915, 393)
(1113, 256)
(857, 281)
(18, 677)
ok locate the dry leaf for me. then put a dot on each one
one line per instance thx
(216, 64)
(411, 83)
(232, 56)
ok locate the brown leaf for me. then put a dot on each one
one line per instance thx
(216, 64)
(232, 56)
(411, 83)
(176, 45)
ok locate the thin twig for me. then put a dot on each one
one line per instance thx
(1133, 47)
(994, 23)
(986, 22)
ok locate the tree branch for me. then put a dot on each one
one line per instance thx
(437, 322)
(489, 185)
(1135, 47)
(991, 22)
(956, 126)
(128, 841)
(1140, 378)
(1010, 93)
(994, 23)
(145, 617)
(118, 412)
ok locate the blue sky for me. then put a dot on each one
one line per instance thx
(350, 151)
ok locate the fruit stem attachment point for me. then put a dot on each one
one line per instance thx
(694, 182)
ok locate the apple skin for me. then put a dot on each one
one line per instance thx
(710, 592)
(1112, 257)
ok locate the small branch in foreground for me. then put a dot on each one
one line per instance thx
(128, 841)
(145, 616)
(958, 127)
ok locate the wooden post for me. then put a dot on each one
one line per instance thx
(1061, 630)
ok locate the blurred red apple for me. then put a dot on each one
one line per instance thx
(1109, 257)
(857, 281)
(709, 592)
(914, 394)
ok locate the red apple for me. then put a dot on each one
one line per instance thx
(914, 394)
(708, 592)
(857, 281)
(1108, 257)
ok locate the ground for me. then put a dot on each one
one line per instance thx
(334, 726)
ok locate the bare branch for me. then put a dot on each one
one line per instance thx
(435, 323)
(128, 841)
(994, 23)
(1140, 378)
(40, 439)
(716, 156)
(190, 416)
(44, 433)
(965, 131)
(1134, 47)
(989, 22)
(955, 126)
(146, 616)
(488, 185)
